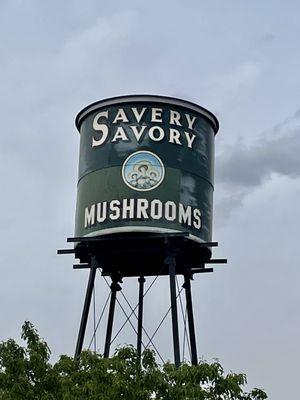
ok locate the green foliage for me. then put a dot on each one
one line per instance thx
(26, 374)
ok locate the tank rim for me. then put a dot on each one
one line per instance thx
(147, 98)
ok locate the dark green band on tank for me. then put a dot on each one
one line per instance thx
(199, 159)
(99, 189)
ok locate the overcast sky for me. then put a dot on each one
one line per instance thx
(240, 60)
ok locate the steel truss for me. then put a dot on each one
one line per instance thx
(87, 249)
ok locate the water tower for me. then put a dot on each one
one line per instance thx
(144, 200)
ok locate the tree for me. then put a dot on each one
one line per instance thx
(27, 374)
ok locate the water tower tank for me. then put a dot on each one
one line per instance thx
(146, 171)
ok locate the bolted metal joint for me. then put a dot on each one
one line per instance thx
(115, 287)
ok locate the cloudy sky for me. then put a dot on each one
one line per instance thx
(238, 59)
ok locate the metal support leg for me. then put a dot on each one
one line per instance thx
(140, 316)
(115, 287)
(189, 305)
(86, 307)
(172, 270)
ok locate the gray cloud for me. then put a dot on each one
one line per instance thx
(250, 166)
(243, 168)
(268, 37)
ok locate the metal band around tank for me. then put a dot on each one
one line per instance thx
(147, 98)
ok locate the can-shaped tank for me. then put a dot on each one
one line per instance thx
(146, 164)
